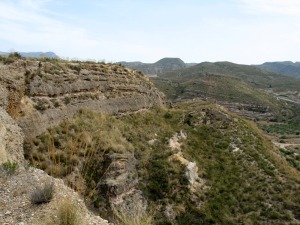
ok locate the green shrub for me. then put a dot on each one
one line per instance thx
(158, 179)
(56, 104)
(15, 55)
(12, 57)
(42, 194)
(67, 100)
(40, 106)
(10, 167)
(168, 115)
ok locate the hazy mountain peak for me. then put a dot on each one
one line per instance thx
(168, 60)
(34, 54)
(163, 65)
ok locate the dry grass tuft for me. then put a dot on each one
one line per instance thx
(136, 219)
(68, 213)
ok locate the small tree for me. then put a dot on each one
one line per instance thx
(12, 57)
(15, 55)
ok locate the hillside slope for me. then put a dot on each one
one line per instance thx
(194, 164)
(103, 129)
(253, 76)
(286, 68)
(231, 83)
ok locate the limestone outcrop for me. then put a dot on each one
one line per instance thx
(119, 185)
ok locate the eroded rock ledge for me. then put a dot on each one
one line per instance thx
(119, 185)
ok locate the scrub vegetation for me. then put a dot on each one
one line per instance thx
(242, 178)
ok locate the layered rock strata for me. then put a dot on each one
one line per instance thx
(41, 94)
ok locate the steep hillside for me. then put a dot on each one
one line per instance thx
(194, 164)
(287, 68)
(43, 93)
(161, 66)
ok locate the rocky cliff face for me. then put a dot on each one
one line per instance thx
(11, 139)
(11, 136)
(12, 87)
(3, 97)
(119, 186)
(41, 94)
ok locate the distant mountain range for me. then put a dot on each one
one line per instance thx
(161, 66)
(286, 68)
(223, 80)
(34, 54)
(231, 83)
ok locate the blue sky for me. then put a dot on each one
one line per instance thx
(240, 31)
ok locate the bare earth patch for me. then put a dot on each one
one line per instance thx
(16, 207)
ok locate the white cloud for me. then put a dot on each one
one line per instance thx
(284, 7)
(215, 33)
(33, 4)
(25, 24)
